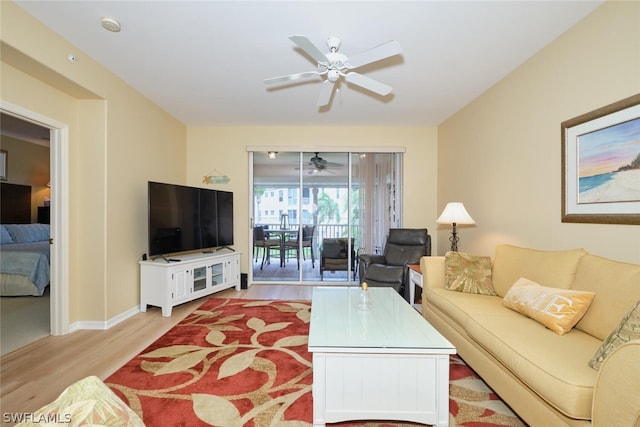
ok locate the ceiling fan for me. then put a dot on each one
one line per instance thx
(317, 164)
(333, 65)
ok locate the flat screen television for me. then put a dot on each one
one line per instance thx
(186, 219)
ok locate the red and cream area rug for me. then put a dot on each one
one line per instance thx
(238, 362)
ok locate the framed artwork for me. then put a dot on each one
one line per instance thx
(601, 165)
(3, 165)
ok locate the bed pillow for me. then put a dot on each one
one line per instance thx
(28, 233)
(5, 237)
(627, 330)
(468, 273)
(557, 309)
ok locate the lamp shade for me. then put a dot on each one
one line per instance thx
(455, 213)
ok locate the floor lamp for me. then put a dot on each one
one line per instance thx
(455, 213)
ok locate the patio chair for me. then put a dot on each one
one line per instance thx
(334, 256)
(261, 241)
(293, 244)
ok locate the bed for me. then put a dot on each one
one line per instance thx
(24, 247)
(24, 259)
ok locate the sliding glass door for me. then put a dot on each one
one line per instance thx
(314, 212)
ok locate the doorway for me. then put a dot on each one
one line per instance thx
(313, 212)
(24, 309)
(58, 212)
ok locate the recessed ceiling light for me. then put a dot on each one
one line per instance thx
(110, 24)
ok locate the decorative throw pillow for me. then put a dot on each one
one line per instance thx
(627, 330)
(468, 273)
(557, 309)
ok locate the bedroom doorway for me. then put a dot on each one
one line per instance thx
(25, 309)
(58, 190)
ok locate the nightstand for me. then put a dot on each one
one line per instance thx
(415, 279)
(43, 214)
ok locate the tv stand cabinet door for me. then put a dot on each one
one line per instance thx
(232, 272)
(180, 285)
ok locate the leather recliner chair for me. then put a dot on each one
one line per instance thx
(404, 246)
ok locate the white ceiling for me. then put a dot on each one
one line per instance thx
(205, 61)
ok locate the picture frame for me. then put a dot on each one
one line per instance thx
(3, 165)
(601, 165)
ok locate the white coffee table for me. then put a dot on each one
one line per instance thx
(385, 363)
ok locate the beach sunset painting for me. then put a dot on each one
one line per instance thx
(609, 164)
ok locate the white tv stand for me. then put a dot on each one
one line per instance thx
(167, 282)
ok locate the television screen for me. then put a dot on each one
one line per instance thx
(225, 218)
(183, 218)
(208, 213)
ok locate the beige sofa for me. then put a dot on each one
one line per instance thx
(545, 377)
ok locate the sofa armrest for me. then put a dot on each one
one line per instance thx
(616, 401)
(432, 271)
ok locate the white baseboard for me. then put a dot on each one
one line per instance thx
(98, 325)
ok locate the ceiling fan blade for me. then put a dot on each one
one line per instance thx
(368, 83)
(385, 50)
(292, 78)
(325, 93)
(334, 165)
(312, 50)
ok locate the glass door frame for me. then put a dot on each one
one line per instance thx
(303, 151)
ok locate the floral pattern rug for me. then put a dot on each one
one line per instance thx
(239, 362)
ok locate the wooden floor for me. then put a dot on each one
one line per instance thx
(34, 375)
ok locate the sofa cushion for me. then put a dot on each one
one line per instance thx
(554, 366)
(627, 330)
(460, 306)
(549, 268)
(468, 273)
(599, 275)
(88, 402)
(384, 273)
(557, 309)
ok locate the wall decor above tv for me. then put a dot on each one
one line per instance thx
(187, 219)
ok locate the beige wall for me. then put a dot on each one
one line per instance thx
(118, 140)
(225, 149)
(501, 154)
(28, 164)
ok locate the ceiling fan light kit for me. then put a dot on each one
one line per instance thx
(317, 165)
(333, 65)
